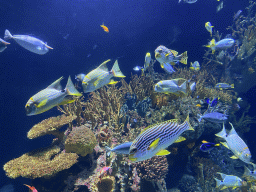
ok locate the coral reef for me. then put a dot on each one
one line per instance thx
(81, 140)
(40, 163)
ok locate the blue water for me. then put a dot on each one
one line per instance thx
(72, 28)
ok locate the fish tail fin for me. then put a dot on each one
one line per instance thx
(187, 124)
(200, 118)
(70, 88)
(7, 34)
(232, 86)
(217, 144)
(247, 171)
(218, 182)
(184, 58)
(108, 150)
(116, 70)
(183, 87)
(223, 133)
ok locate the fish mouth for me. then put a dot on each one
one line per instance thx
(131, 157)
(157, 55)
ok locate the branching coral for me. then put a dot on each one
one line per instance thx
(41, 163)
(50, 126)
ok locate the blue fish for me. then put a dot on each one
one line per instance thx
(207, 146)
(207, 100)
(121, 149)
(214, 117)
(214, 102)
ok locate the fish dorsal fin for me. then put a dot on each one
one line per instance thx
(174, 52)
(154, 144)
(169, 121)
(103, 65)
(232, 131)
(56, 84)
(205, 141)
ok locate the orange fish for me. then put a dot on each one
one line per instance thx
(32, 188)
(104, 28)
(198, 105)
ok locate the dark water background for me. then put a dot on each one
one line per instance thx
(136, 27)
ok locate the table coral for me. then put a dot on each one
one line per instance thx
(81, 140)
(40, 163)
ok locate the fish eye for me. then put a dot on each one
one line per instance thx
(134, 150)
(160, 50)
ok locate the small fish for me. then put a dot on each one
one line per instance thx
(3, 45)
(147, 61)
(235, 144)
(224, 86)
(167, 67)
(188, 1)
(138, 68)
(239, 99)
(165, 55)
(214, 117)
(207, 146)
(249, 173)
(198, 105)
(89, 55)
(121, 149)
(193, 86)
(32, 188)
(209, 27)
(237, 14)
(228, 181)
(220, 45)
(171, 86)
(101, 76)
(105, 28)
(51, 96)
(195, 66)
(30, 43)
(155, 138)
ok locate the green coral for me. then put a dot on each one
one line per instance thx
(81, 140)
(40, 163)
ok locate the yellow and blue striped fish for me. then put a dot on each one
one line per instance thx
(228, 181)
(154, 139)
(101, 76)
(50, 97)
(235, 144)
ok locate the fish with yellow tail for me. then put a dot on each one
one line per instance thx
(195, 66)
(167, 56)
(171, 86)
(101, 76)
(228, 181)
(220, 45)
(224, 86)
(154, 139)
(235, 144)
(147, 61)
(209, 27)
(51, 96)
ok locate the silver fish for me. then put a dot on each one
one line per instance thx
(30, 43)
(3, 45)
(228, 181)
(214, 117)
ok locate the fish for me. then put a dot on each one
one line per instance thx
(209, 27)
(193, 86)
(250, 173)
(165, 55)
(147, 60)
(220, 45)
(167, 67)
(171, 86)
(3, 45)
(188, 1)
(198, 105)
(101, 76)
(155, 138)
(214, 102)
(224, 86)
(235, 144)
(138, 68)
(207, 100)
(195, 66)
(228, 181)
(120, 149)
(51, 96)
(237, 14)
(207, 146)
(219, 7)
(239, 99)
(32, 188)
(32, 44)
(105, 28)
(214, 117)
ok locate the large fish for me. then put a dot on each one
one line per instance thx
(214, 117)
(51, 96)
(235, 144)
(30, 43)
(220, 45)
(154, 139)
(228, 181)
(171, 86)
(101, 76)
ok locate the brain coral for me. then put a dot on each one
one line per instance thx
(81, 140)
(40, 163)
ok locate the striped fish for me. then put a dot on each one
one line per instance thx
(228, 181)
(235, 144)
(50, 97)
(154, 139)
(101, 76)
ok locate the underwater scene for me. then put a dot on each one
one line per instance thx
(128, 96)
